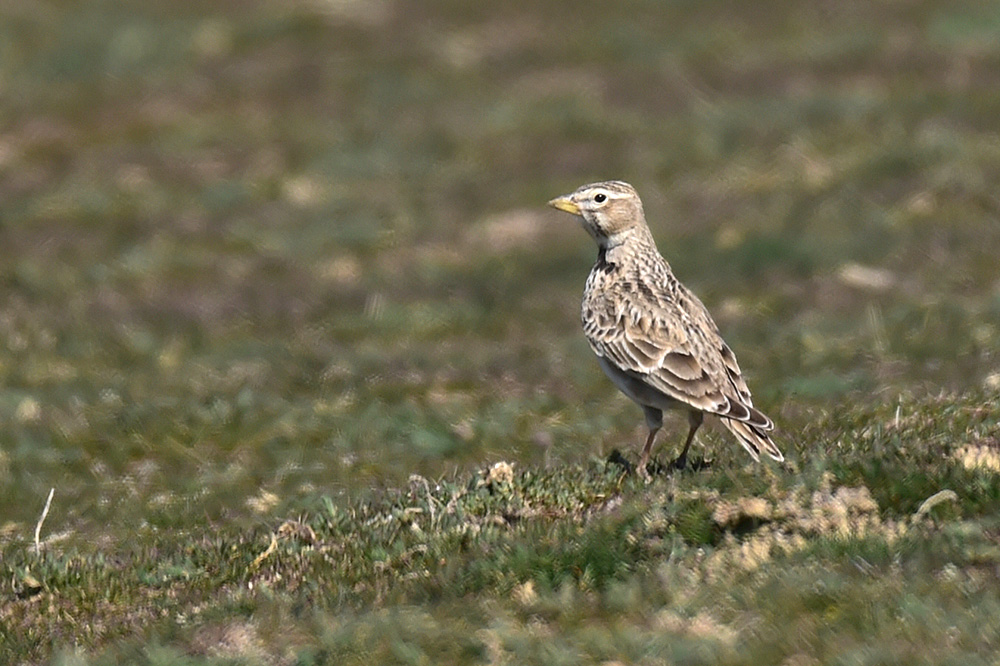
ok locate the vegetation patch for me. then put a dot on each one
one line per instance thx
(291, 369)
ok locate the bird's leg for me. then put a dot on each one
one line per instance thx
(694, 419)
(654, 421)
(644, 458)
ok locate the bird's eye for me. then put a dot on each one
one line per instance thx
(600, 197)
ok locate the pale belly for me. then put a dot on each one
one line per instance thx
(640, 392)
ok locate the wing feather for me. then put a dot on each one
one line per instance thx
(669, 342)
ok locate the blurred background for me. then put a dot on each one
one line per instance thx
(256, 253)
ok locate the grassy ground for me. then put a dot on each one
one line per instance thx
(286, 326)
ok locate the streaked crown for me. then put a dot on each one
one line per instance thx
(608, 208)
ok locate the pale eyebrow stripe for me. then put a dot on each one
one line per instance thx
(611, 194)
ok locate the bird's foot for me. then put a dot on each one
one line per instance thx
(683, 464)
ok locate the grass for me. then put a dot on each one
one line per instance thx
(288, 330)
(496, 565)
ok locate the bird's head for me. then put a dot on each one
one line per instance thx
(609, 210)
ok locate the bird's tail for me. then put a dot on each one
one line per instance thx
(754, 439)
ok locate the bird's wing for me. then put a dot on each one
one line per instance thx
(671, 343)
(739, 385)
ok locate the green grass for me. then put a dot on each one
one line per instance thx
(498, 563)
(279, 289)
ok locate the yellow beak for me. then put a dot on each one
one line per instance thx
(566, 204)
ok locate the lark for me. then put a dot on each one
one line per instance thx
(653, 338)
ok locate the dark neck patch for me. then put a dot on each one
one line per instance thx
(602, 260)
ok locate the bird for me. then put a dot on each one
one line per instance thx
(652, 336)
